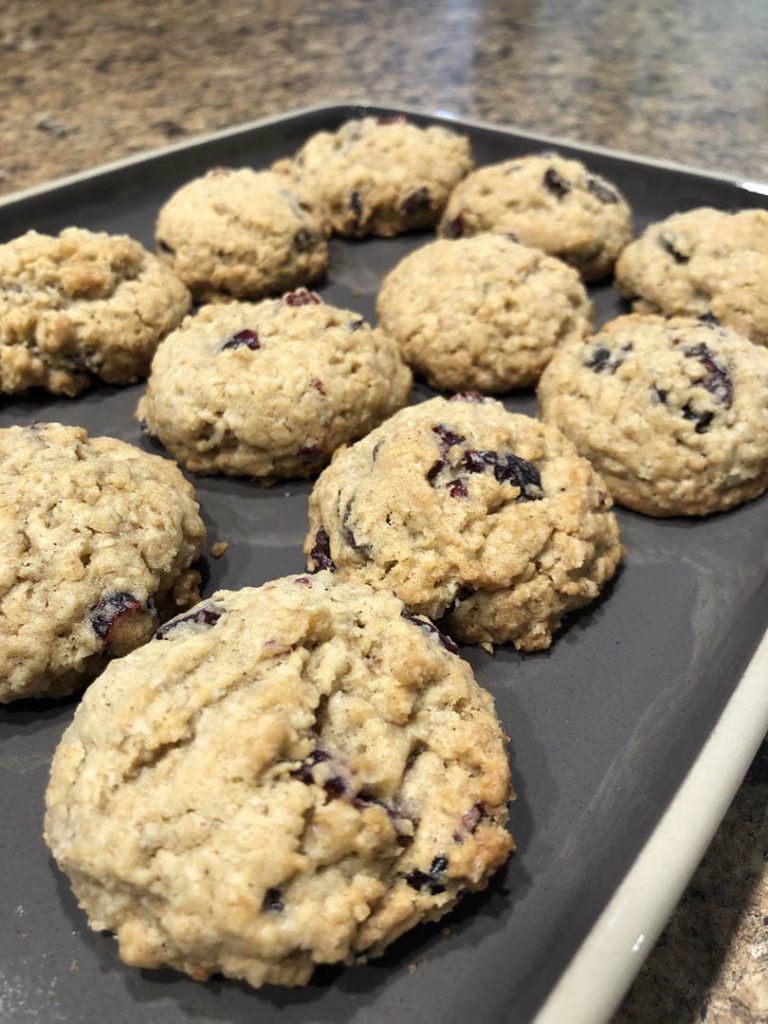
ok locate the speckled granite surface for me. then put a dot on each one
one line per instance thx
(81, 84)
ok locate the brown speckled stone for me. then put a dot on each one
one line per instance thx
(82, 84)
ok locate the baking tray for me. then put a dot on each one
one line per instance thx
(629, 736)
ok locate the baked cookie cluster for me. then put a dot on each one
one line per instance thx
(270, 779)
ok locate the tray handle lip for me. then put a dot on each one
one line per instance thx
(358, 108)
(594, 982)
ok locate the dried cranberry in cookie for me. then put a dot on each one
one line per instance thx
(673, 413)
(296, 783)
(548, 202)
(488, 520)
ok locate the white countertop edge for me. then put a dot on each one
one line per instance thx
(607, 961)
(359, 108)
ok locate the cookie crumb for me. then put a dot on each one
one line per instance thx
(219, 548)
(488, 648)
(412, 968)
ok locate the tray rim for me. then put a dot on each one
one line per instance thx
(601, 970)
(361, 107)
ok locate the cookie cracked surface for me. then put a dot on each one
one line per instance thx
(702, 263)
(286, 776)
(270, 389)
(546, 201)
(481, 313)
(81, 306)
(381, 176)
(468, 512)
(242, 234)
(97, 540)
(673, 413)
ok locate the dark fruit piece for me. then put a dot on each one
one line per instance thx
(376, 450)
(435, 469)
(457, 489)
(164, 247)
(356, 205)
(604, 194)
(303, 581)
(472, 818)
(702, 419)
(110, 609)
(718, 381)
(709, 320)
(304, 772)
(335, 787)
(603, 360)
(507, 469)
(430, 880)
(318, 386)
(428, 627)
(454, 228)
(355, 325)
(273, 901)
(348, 535)
(304, 240)
(302, 297)
(556, 183)
(660, 395)
(321, 552)
(447, 437)
(243, 339)
(417, 202)
(668, 247)
(207, 616)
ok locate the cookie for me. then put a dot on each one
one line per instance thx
(673, 413)
(242, 234)
(381, 176)
(481, 313)
(97, 540)
(548, 202)
(82, 306)
(284, 777)
(270, 389)
(702, 263)
(470, 512)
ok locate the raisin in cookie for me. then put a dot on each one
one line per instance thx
(468, 511)
(284, 777)
(242, 234)
(97, 540)
(270, 389)
(482, 313)
(381, 176)
(548, 202)
(82, 306)
(703, 263)
(673, 413)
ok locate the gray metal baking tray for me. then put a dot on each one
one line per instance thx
(629, 736)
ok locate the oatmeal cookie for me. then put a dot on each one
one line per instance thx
(467, 511)
(548, 202)
(242, 234)
(481, 313)
(381, 176)
(97, 540)
(703, 263)
(673, 413)
(270, 389)
(81, 306)
(284, 777)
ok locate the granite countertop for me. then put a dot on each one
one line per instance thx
(83, 84)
